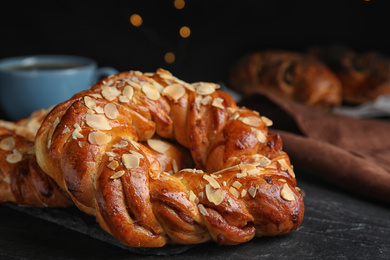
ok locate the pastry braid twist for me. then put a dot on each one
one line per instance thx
(22, 181)
(117, 149)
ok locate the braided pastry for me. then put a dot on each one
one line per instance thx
(288, 75)
(22, 181)
(118, 148)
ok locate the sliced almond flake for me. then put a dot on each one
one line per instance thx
(113, 165)
(282, 180)
(117, 175)
(203, 88)
(128, 92)
(89, 102)
(14, 157)
(230, 202)
(243, 193)
(267, 121)
(235, 116)
(95, 95)
(137, 154)
(261, 160)
(213, 182)
(174, 92)
(157, 85)
(98, 122)
(76, 132)
(235, 167)
(202, 210)
(7, 144)
(260, 136)
(286, 193)
(158, 145)
(134, 84)
(99, 138)
(111, 154)
(214, 195)
(121, 144)
(80, 144)
(206, 100)
(66, 130)
(130, 161)
(99, 110)
(48, 143)
(124, 99)
(198, 101)
(252, 191)
(89, 111)
(135, 144)
(251, 121)
(174, 166)
(192, 197)
(110, 93)
(224, 183)
(286, 166)
(188, 170)
(234, 192)
(199, 171)
(237, 184)
(111, 111)
(7, 179)
(151, 92)
(155, 175)
(218, 102)
(253, 172)
(230, 110)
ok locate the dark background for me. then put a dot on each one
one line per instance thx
(221, 31)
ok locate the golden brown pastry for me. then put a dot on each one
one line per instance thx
(22, 181)
(117, 149)
(364, 76)
(288, 75)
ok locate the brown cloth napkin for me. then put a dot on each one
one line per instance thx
(350, 152)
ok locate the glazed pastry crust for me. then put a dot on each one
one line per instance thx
(158, 160)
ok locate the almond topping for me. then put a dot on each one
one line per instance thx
(174, 166)
(98, 122)
(56, 122)
(259, 135)
(192, 197)
(118, 174)
(243, 193)
(174, 91)
(202, 210)
(137, 154)
(217, 102)
(76, 133)
(286, 193)
(155, 175)
(110, 93)
(252, 191)
(237, 184)
(206, 100)
(14, 157)
(151, 92)
(111, 111)
(113, 165)
(99, 110)
(267, 121)
(251, 121)
(214, 195)
(158, 145)
(124, 99)
(111, 154)
(99, 138)
(90, 102)
(7, 144)
(286, 166)
(121, 144)
(128, 92)
(130, 161)
(213, 182)
(203, 88)
(234, 192)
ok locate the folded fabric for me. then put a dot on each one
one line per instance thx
(350, 152)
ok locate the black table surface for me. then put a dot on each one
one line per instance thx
(337, 225)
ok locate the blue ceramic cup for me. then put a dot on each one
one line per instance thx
(28, 84)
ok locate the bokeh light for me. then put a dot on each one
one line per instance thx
(185, 31)
(136, 20)
(179, 4)
(169, 57)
